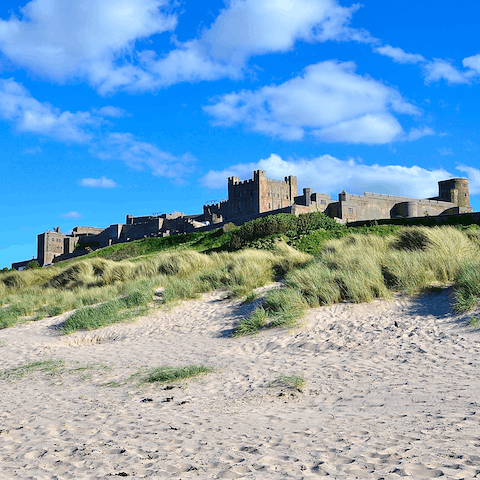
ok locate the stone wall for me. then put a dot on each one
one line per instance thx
(372, 206)
(22, 265)
(86, 231)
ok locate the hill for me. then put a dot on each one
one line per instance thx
(320, 262)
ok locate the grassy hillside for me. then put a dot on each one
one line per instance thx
(306, 233)
(124, 288)
(199, 241)
(330, 263)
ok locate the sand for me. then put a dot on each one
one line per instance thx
(393, 390)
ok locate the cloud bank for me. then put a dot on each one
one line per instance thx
(328, 100)
(89, 39)
(99, 41)
(143, 155)
(327, 174)
(29, 115)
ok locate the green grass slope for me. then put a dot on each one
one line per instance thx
(321, 261)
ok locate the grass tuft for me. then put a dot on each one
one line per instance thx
(474, 322)
(49, 366)
(252, 324)
(296, 382)
(169, 374)
(467, 287)
(283, 307)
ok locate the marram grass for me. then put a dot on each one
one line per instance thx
(35, 294)
(359, 268)
(108, 313)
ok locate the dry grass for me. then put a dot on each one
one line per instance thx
(360, 268)
(35, 294)
(357, 268)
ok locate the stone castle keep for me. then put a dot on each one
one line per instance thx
(251, 199)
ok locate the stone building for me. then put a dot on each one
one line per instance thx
(453, 198)
(249, 199)
(54, 246)
(260, 195)
(49, 245)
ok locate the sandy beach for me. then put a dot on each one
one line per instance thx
(393, 390)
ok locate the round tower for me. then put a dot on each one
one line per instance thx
(454, 190)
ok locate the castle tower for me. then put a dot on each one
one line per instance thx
(291, 181)
(307, 195)
(264, 200)
(49, 245)
(454, 190)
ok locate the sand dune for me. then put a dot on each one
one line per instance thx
(392, 390)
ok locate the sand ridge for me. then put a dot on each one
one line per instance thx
(392, 391)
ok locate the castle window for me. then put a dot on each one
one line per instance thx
(323, 202)
(350, 210)
(269, 206)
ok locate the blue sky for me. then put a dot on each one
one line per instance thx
(119, 107)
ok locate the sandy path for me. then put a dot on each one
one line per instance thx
(393, 390)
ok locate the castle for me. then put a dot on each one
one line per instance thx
(251, 199)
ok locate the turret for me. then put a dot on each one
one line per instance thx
(454, 190)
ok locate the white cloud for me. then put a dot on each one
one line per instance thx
(98, 40)
(329, 100)
(29, 115)
(252, 27)
(110, 111)
(140, 155)
(255, 27)
(473, 63)
(70, 215)
(440, 69)
(82, 38)
(416, 133)
(102, 182)
(436, 69)
(327, 174)
(398, 55)
(370, 129)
